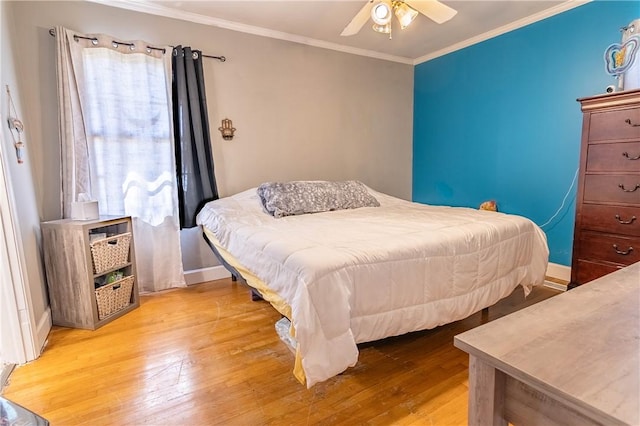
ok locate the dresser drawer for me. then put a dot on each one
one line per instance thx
(611, 219)
(614, 125)
(609, 248)
(589, 271)
(612, 188)
(614, 157)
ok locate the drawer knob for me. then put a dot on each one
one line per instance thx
(624, 253)
(628, 121)
(621, 186)
(625, 222)
(626, 155)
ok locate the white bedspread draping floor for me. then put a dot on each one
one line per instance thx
(353, 276)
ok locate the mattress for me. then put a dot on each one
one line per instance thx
(359, 275)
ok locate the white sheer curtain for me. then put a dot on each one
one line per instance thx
(117, 143)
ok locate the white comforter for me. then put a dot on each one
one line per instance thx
(353, 276)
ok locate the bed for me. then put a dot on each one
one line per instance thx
(355, 275)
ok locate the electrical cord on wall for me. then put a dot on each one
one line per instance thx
(563, 200)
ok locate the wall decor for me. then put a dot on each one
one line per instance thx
(227, 129)
(622, 60)
(15, 125)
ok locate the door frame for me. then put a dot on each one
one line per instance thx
(18, 329)
(17, 335)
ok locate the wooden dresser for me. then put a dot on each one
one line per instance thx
(607, 226)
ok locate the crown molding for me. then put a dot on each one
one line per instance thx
(156, 9)
(560, 8)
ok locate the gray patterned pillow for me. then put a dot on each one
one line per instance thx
(281, 199)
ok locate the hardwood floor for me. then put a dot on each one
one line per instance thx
(208, 355)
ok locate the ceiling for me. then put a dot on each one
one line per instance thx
(319, 23)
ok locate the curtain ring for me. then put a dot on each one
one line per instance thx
(148, 50)
(94, 41)
(194, 55)
(132, 47)
(114, 44)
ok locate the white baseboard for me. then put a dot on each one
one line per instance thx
(219, 272)
(555, 286)
(202, 275)
(44, 326)
(560, 272)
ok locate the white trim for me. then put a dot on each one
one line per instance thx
(44, 327)
(157, 9)
(13, 343)
(555, 286)
(219, 272)
(17, 335)
(202, 275)
(562, 7)
(559, 272)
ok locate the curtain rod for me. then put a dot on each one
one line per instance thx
(52, 31)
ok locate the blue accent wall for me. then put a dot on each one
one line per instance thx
(499, 120)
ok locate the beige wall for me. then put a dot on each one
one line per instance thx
(301, 112)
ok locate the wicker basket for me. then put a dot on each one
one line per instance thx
(110, 253)
(113, 297)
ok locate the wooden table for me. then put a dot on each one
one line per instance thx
(572, 359)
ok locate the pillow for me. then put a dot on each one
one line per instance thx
(281, 199)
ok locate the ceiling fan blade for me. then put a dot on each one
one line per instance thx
(358, 21)
(433, 9)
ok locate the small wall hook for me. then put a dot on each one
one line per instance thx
(227, 129)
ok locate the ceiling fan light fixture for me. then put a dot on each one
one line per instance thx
(386, 29)
(381, 12)
(405, 14)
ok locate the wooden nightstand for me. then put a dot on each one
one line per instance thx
(91, 270)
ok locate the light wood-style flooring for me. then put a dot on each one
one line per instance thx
(208, 355)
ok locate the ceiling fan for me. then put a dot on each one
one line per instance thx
(381, 11)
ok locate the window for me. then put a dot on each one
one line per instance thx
(129, 134)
